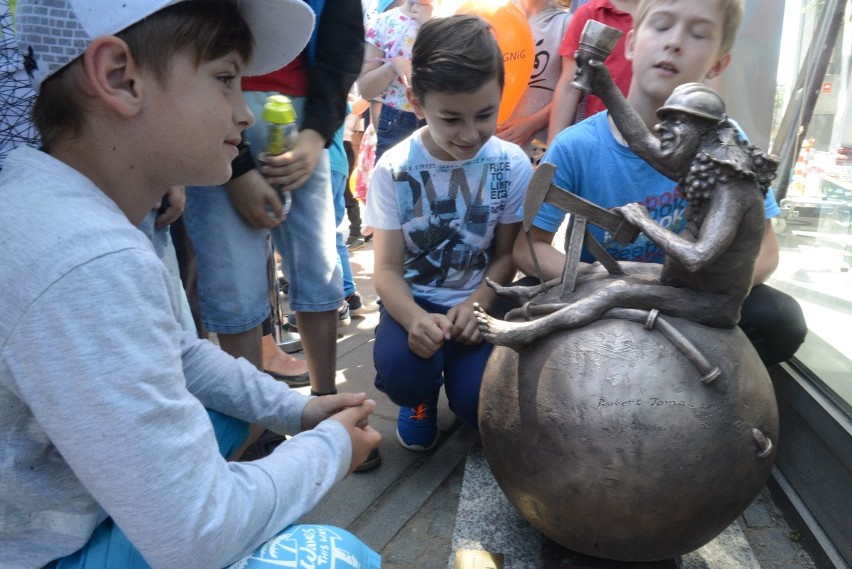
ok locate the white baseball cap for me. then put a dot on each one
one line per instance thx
(53, 33)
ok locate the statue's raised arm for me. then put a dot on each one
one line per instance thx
(640, 140)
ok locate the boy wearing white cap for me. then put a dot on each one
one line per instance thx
(108, 426)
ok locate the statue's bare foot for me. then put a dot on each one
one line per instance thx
(520, 294)
(501, 333)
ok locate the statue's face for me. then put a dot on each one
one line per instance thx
(680, 138)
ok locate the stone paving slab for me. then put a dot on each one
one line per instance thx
(486, 520)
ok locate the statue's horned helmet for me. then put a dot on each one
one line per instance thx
(695, 99)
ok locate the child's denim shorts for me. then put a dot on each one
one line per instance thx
(232, 256)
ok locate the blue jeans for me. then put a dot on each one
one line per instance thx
(409, 380)
(231, 254)
(338, 184)
(394, 125)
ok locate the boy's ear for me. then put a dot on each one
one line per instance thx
(113, 75)
(416, 103)
(719, 66)
(629, 45)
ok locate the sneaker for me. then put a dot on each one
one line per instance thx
(355, 302)
(417, 427)
(355, 242)
(343, 317)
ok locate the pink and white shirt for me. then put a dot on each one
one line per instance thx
(393, 33)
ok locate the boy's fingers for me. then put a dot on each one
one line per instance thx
(443, 325)
(369, 436)
(447, 330)
(374, 437)
(341, 401)
(276, 206)
(363, 441)
(470, 332)
(353, 399)
(419, 347)
(435, 335)
(357, 414)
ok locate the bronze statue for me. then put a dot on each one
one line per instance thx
(615, 431)
(708, 267)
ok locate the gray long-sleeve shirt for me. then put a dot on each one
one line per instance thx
(102, 396)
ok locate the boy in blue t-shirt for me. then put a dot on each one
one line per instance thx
(444, 205)
(672, 43)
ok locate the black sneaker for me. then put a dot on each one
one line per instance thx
(356, 304)
(343, 318)
(355, 242)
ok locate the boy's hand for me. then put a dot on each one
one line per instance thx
(465, 325)
(255, 200)
(171, 206)
(323, 407)
(364, 438)
(293, 168)
(428, 333)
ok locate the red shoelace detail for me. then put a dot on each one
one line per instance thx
(419, 412)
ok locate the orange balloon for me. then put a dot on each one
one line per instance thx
(515, 39)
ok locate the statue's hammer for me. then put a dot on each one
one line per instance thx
(542, 189)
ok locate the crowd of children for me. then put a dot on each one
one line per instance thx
(119, 442)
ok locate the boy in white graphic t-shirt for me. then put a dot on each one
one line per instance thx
(443, 204)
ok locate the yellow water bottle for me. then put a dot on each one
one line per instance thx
(280, 118)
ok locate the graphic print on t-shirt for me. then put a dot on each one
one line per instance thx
(448, 213)
(667, 211)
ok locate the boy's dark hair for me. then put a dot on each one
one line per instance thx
(456, 54)
(207, 29)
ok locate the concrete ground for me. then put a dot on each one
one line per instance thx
(406, 508)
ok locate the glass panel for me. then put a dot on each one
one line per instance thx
(815, 227)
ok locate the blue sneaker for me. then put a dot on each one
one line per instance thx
(417, 427)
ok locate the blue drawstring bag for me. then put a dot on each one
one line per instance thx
(312, 547)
